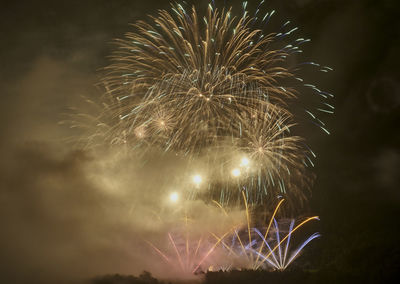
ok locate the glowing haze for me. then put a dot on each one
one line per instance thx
(221, 93)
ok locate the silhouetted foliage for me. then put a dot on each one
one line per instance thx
(144, 278)
(292, 276)
(326, 276)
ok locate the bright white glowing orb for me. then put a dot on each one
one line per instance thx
(236, 172)
(245, 162)
(174, 197)
(197, 179)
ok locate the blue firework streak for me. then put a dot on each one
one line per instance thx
(269, 250)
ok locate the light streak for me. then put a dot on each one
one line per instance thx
(209, 252)
(177, 252)
(269, 226)
(287, 236)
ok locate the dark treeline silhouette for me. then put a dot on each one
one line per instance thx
(144, 278)
(286, 277)
(297, 276)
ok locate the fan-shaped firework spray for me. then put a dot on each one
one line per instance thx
(238, 246)
(216, 89)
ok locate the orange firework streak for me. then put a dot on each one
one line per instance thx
(285, 238)
(269, 226)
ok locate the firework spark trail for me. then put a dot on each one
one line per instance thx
(193, 259)
(209, 252)
(159, 251)
(248, 220)
(253, 248)
(236, 232)
(278, 246)
(249, 247)
(177, 252)
(189, 247)
(281, 263)
(269, 226)
(253, 251)
(195, 85)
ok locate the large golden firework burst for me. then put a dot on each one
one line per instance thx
(213, 87)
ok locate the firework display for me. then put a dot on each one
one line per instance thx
(239, 247)
(224, 95)
(216, 89)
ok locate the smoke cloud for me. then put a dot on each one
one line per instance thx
(68, 213)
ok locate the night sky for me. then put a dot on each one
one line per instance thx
(57, 227)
